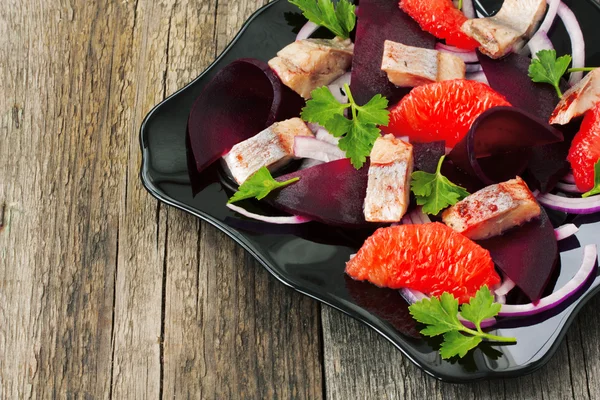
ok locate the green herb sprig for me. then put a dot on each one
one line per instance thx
(339, 19)
(259, 185)
(358, 134)
(434, 191)
(546, 68)
(441, 317)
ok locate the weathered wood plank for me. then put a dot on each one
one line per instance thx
(230, 330)
(136, 364)
(357, 360)
(64, 172)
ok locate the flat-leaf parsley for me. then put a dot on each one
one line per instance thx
(358, 134)
(441, 317)
(259, 185)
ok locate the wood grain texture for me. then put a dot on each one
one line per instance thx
(104, 292)
(357, 360)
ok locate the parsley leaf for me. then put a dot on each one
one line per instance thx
(457, 344)
(340, 19)
(434, 191)
(596, 188)
(375, 111)
(546, 68)
(441, 316)
(358, 142)
(480, 307)
(259, 185)
(358, 134)
(322, 107)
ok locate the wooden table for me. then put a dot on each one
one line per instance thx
(106, 293)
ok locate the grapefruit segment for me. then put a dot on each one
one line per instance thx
(442, 110)
(585, 150)
(431, 258)
(441, 19)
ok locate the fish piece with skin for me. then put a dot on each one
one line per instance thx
(507, 30)
(493, 210)
(271, 148)
(578, 99)
(305, 65)
(388, 187)
(415, 66)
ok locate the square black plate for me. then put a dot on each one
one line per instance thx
(311, 257)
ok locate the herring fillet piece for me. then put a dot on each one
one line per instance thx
(578, 99)
(305, 65)
(388, 186)
(271, 148)
(493, 210)
(415, 66)
(508, 29)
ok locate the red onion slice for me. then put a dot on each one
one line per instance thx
(412, 296)
(406, 220)
(577, 41)
(500, 299)
(588, 205)
(540, 41)
(336, 87)
(569, 178)
(293, 219)
(324, 135)
(417, 216)
(465, 55)
(468, 9)
(310, 147)
(308, 29)
(585, 271)
(534, 43)
(550, 15)
(506, 286)
(565, 231)
(313, 127)
(567, 187)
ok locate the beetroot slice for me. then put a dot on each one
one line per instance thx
(380, 20)
(332, 193)
(526, 254)
(244, 98)
(547, 165)
(509, 76)
(427, 155)
(499, 144)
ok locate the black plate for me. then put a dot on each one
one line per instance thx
(310, 258)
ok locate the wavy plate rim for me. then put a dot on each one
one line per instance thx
(323, 299)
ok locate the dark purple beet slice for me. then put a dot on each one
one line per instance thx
(547, 165)
(509, 76)
(244, 98)
(427, 155)
(332, 193)
(380, 20)
(526, 254)
(458, 177)
(499, 144)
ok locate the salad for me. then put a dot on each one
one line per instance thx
(447, 135)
